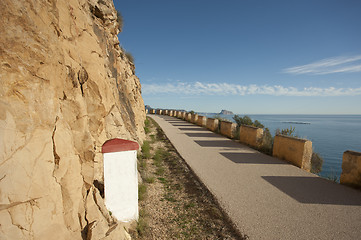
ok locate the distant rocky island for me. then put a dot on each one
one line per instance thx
(226, 112)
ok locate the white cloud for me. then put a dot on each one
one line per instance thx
(198, 88)
(327, 66)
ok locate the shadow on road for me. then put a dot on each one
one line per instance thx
(315, 190)
(193, 129)
(251, 158)
(218, 143)
(209, 135)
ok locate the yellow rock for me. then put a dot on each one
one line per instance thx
(65, 90)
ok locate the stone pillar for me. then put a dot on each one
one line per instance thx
(159, 111)
(351, 169)
(194, 118)
(228, 128)
(212, 124)
(188, 117)
(250, 135)
(294, 150)
(202, 121)
(183, 116)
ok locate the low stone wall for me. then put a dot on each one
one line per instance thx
(212, 124)
(250, 135)
(294, 150)
(351, 169)
(227, 128)
(194, 118)
(202, 121)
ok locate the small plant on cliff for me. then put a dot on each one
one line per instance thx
(129, 56)
(119, 21)
(316, 163)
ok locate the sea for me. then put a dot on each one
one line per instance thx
(331, 135)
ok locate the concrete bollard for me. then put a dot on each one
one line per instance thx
(179, 114)
(183, 114)
(188, 117)
(351, 169)
(294, 150)
(121, 178)
(227, 128)
(212, 124)
(250, 135)
(194, 118)
(202, 121)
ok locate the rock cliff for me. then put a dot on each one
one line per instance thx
(66, 88)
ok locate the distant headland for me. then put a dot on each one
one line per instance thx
(226, 112)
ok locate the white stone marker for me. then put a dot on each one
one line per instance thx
(121, 178)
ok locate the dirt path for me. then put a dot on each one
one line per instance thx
(173, 202)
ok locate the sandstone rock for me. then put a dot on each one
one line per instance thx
(65, 90)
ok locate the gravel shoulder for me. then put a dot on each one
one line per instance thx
(173, 203)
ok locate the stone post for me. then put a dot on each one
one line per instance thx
(250, 135)
(294, 150)
(227, 128)
(351, 169)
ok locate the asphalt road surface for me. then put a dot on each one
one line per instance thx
(265, 197)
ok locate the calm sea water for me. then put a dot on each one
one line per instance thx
(331, 135)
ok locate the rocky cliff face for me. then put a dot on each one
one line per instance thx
(66, 88)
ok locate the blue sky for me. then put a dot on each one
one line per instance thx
(250, 57)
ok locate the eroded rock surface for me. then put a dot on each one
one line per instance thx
(66, 88)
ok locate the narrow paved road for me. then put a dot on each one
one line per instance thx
(265, 197)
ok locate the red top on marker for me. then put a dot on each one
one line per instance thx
(119, 145)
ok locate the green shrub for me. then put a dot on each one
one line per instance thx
(141, 226)
(142, 191)
(146, 150)
(242, 120)
(258, 124)
(147, 123)
(316, 163)
(288, 131)
(149, 179)
(266, 145)
(146, 130)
